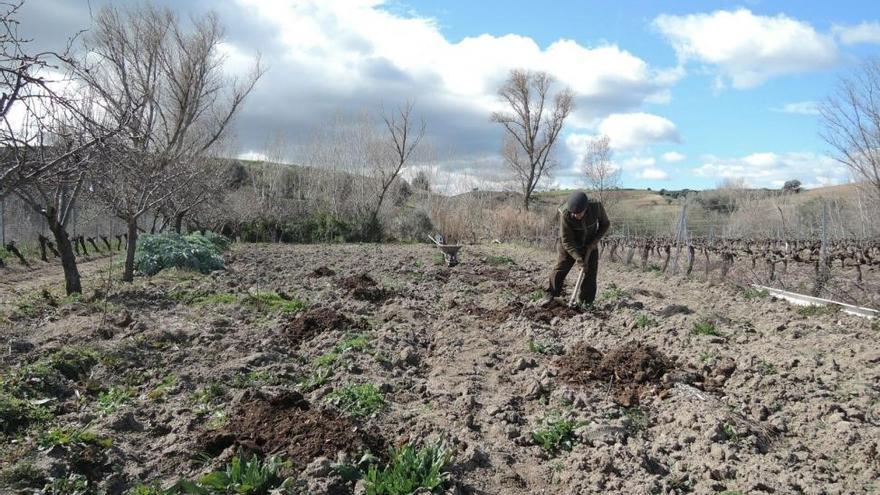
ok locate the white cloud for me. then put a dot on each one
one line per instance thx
(673, 157)
(773, 169)
(639, 162)
(748, 49)
(353, 54)
(636, 130)
(866, 32)
(799, 108)
(653, 174)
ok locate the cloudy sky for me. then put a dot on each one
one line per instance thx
(689, 91)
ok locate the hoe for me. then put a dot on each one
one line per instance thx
(572, 301)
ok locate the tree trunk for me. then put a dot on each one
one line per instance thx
(178, 221)
(131, 245)
(72, 283)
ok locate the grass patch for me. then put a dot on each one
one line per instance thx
(257, 379)
(639, 420)
(765, 368)
(410, 470)
(645, 321)
(165, 386)
(68, 437)
(546, 348)
(705, 327)
(358, 342)
(113, 398)
(709, 358)
(614, 293)
(537, 295)
(316, 380)
(22, 476)
(752, 293)
(816, 310)
(358, 400)
(497, 260)
(16, 414)
(270, 301)
(438, 259)
(555, 433)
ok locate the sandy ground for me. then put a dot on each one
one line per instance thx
(774, 402)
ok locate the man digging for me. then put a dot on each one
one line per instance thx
(581, 224)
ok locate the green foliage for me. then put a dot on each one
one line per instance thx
(545, 347)
(730, 433)
(72, 484)
(317, 379)
(438, 259)
(16, 413)
(358, 400)
(410, 470)
(645, 321)
(614, 293)
(244, 476)
(816, 310)
(638, 418)
(537, 295)
(327, 359)
(555, 433)
(752, 293)
(22, 476)
(74, 362)
(730, 492)
(191, 252)
(113, 398)
(67, 437)
(766, 368)
(705, 327)
(270, 301)
(358, 342)
(496, 260)
(166, 385)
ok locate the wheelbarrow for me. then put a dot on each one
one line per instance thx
(450, 251)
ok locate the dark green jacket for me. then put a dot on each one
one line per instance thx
(576, 234)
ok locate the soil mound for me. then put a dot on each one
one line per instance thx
(321, 271)
(364, 288)
(288, 425)
(304, 326)
(628, 368)
(546, 314)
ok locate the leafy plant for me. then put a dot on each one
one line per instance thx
(645, 321)
(766, 368)
(730, 433)
(191, 252)
(705, 327)
(66, 437)
(537, 295)
(613, 293)
(545, 347)
(357, 342)
(16, 413)
(410, 470)
(272, 301)
(496, 260)
(358, 400)
(327, 359)
(817, 310)
(316, 379)
(244, 476)
(161, 390)
(113, 398)
(752, 293)
(555, 433)
(638, 418)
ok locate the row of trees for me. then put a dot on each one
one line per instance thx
(129, 114)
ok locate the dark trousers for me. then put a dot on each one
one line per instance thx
(563, 265)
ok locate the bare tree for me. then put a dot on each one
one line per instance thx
(146, 58)
(602, 175)
(51, 141)
(532, 126)
(851, 123)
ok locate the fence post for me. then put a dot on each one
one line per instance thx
(2, 220)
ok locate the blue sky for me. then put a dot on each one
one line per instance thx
(689, 92)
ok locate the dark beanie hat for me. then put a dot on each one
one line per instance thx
(577, 202)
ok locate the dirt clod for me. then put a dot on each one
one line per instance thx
(628, 368)
(304, 326)
(364, 288)
(321, 271)
(288, 424)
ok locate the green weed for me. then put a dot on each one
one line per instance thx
(816, 310)
(409, 471)
(496, 260)
(731, 433)
(270, 301)
(645, 321)
(438, 259)
(752, 293)
(327, 359)
(705, 327)
(638, 418)
(545, 347)
(766, 368)
(359, 342)
(245, 476)
(614, 293)
(110, 400)
(67, 437)
(317, 379)
(358, 400)
(257, 379)
(22, 476)
(16, 413)
(537, 295)
(166, 385)
(555, 433)
(708, 358)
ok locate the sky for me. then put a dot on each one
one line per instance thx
(689, 92)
